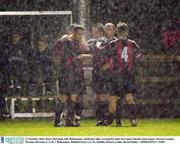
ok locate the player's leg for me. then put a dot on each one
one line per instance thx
(130, 93)
(59, 107)
(78, 114)
(110, 113)
(101, 108)
(118, 114)
(118, 88)
(78, 100)
(96, 87)
(70, 113)
(77, 88)
(115, 92)
(98, 111)
(132, 108)
(101, 102)
(62, 101)
(81, 89)
(110, 108)
(74, 106)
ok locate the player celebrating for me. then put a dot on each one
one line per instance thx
(71, 76)
(126, 55)
(110, 30)
(103, 74)
(95, 45)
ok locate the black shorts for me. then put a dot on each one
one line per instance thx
(123, 83)
(71, 82)
(101, 82)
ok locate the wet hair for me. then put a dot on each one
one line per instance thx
(17, 33)
(110, 24)
(71, 27)
(98, 24)
(101, 28)
(78, 27)
(122, 27)
(43, 38)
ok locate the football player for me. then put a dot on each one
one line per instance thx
(71, 77)
(126, 54)
(95, 45)
(103, 77)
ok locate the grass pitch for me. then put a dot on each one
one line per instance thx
(146, 127)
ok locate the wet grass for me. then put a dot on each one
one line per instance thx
(146, 127)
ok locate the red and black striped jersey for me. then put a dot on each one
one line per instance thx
(127, 54)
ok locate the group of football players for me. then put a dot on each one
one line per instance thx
(114, 59)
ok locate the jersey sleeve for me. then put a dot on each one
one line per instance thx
(92, 45)
(137, 51)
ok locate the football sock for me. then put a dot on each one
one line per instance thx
(70, 111)
(132, 111)
(58, 111)
(78, 110)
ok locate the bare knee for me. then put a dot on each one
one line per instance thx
(102, 97)
(129, 98)
(112, 104)
(63, 98)
(75, 98)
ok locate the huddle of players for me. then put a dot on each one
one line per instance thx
(114, 58)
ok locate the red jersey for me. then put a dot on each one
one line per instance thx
(67, 52)
(127, 53)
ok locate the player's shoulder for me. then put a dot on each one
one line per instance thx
(63, 39)
(109, 46)
(133, 42)
(115, 38)
(113, 42)
(61, 42)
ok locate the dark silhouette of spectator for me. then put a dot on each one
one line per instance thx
(4, 77)
(41, 68)
(17, 56)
